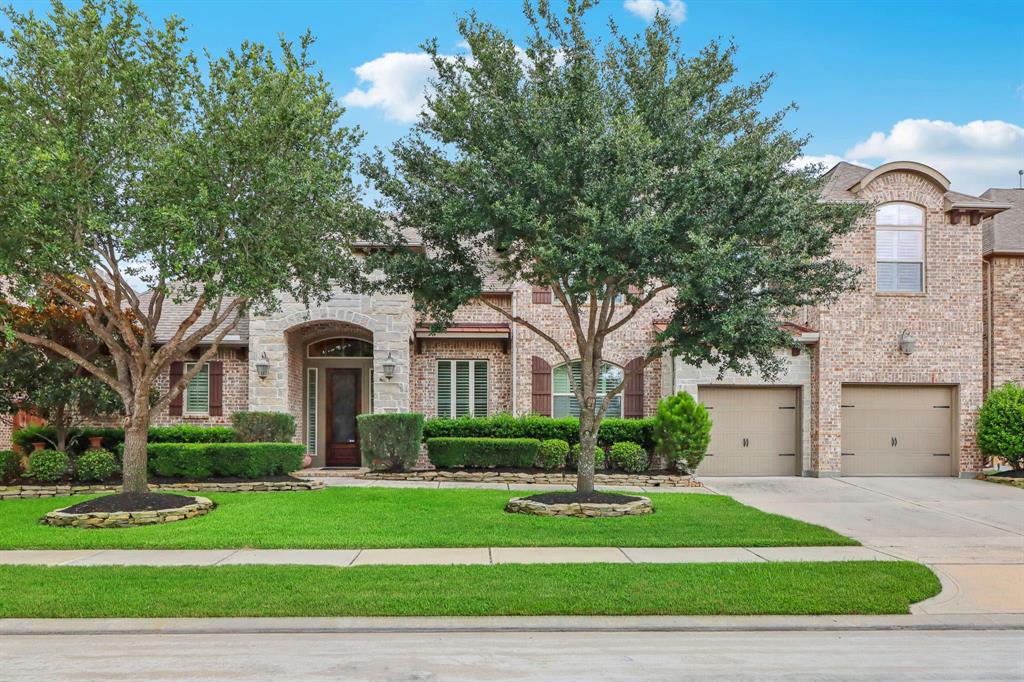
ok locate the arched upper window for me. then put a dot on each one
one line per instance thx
(342, 347)
(899, 248)
(564, 402)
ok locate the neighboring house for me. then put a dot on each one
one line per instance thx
(888, 381)
(1003, 276)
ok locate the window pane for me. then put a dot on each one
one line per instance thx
(899, 214)
(614, 407)
(887, 276)
(479, 389)
(887, 215)
(444, 389)
(886, 242)
(311, 411)
(461, 388)
(565, 406)
(560, 380)
(908, 277)
(909, 245)
(197, 393)
(610, 377)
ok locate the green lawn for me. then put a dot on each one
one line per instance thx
(389, 517)
(515, 590)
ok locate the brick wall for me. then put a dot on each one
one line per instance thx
(424, 371)
(236, 391)
(1004, 283)
(859, 333)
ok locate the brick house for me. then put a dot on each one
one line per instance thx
(888, 381)
(1003, 286)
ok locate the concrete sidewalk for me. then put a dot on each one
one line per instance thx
(436, 556)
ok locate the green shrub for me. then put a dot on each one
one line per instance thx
(552, 454)
(235, 460)
(390, 442)
(263, 427)
(189, 433)
(95, 465)
(114, 438)
(1001, 424)
(10, 465)
(628, 457)
(542, 428)
(519, 453)
(48, 465)
(573, 459)
(682, 431)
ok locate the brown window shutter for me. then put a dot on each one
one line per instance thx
(541, 386)
(541, 295)
(633, 403)
(177, 370)
(216, 388)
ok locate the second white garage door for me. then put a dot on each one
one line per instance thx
(753, 431)
(897, 431)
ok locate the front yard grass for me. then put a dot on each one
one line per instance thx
(388, 517)
(866, 587)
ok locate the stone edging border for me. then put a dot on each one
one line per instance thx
(1006, 479)
(60, 517)
(524, 505)
(643, 480)
(33, 491)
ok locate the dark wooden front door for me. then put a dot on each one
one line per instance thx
(344, 394)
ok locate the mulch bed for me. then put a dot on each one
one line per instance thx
(576, 498)
(1012, 473)
(130, 502)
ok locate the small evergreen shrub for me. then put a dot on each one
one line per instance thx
(682, 431)
(446, 453)
(552, 454)
(390, 442)
(95, 465)
(574, 457)
(48, 465)
(629, 457)
(196, 461)
(263, 427)
(10, 465)
(1001, 424)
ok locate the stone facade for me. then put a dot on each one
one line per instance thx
(1004, 316)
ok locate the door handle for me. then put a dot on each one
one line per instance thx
(746, 442)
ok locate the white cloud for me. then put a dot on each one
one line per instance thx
(974, 156)
(395, 82)
(674, 10)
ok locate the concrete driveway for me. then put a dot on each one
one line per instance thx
(970, 532)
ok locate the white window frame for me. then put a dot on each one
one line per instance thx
(453, 390)
(919, 228)
(572, 396)
(188, 389)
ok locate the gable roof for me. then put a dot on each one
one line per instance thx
(1004, 232)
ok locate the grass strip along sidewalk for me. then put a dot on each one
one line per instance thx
(338, 518)
(511, 590)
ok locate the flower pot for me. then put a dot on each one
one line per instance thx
(95, 442)
(39, 445)
(306, 461)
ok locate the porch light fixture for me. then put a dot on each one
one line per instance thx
(388, 366)
(262, 366)
(907, 342)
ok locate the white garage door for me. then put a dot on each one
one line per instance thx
(897, 431)
(753, 431)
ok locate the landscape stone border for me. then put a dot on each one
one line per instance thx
(32, 491)
(1009, 480)
(60, 517)
(538, 478)
(524, 505)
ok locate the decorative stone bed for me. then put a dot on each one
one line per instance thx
(539, 478)
(30, 491)
(617, 505)
(198, 507)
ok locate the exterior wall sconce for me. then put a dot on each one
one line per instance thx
(388, 366)
(262, 366)
(907, 342)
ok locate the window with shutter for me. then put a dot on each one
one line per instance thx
(564, 402)
(197, 392)
(462, 388)
(899, 248)
(311, 410)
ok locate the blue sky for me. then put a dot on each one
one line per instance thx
(939, 82)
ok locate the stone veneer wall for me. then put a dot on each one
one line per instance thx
(1005, 283)
(859, 333)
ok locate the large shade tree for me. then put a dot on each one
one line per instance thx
(219, 183)
(617, 175)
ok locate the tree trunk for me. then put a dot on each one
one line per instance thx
(133, 466)
(60, 429)
(588, 445)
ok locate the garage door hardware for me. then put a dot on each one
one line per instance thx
(746, 442)
(847, 406)
(846, 454)
(894, 441)
(941, 407)
(787, 454)
(787, 407)
(940, 454)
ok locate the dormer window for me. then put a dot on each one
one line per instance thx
(899, 248)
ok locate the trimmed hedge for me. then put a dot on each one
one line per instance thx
(639, 431)
(95, 465)
(263, 427)
(574, 457)
(113, 438)
(629, 457)
(483, 453)
(553, 454)
(48, 465)
(234, 460)
(10, 465)
(390, 441)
